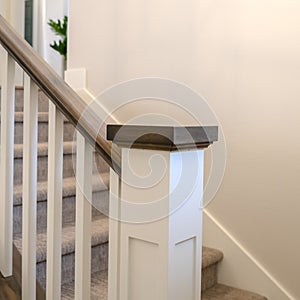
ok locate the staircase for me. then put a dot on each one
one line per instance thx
(211, 290)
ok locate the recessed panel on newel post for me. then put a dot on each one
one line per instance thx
(156, 212)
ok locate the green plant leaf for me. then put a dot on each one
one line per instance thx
(60, 28)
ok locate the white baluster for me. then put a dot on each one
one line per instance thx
(29, 189)
(54, 227)
(7, 165)
(83, 218)
(114, 235)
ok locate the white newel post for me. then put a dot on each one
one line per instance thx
(156, 213)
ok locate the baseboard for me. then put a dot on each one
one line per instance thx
(239, 268)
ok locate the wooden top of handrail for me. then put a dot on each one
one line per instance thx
(166, 138)
(60, 93)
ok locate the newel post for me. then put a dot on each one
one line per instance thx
(155, 244)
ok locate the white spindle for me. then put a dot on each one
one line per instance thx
(83, 218)
(29, 189)
(55, 174)
(114, 235)
(7, 165)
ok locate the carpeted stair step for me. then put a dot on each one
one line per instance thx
(69, 161)
(43, 100)
(99, 250)
(210, 259)
(223, 292)
(42, 128)
(100, 201)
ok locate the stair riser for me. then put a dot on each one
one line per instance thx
(209, 277)
(43, 102)
(68, 170)
(68, 211)
(43, 132)
(99, 263)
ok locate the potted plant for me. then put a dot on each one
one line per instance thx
(60, 28)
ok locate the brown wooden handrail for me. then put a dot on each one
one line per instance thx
(59, 92)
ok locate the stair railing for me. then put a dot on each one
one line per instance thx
(155, 234)
(65, 102)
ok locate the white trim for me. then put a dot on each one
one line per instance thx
(76, 78)
(247, 272)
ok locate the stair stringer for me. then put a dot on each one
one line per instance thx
(240, 268)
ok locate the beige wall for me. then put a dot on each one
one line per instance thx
(13, 12)
(244, 57)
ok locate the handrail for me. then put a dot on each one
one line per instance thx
(59, 92)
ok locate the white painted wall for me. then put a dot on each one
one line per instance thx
(244, 57)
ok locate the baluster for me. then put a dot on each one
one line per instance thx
(54, 227)
(114, 234)
(84, 157)
(7, 165)
(29, 189)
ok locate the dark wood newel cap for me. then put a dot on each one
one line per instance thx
(169, 138)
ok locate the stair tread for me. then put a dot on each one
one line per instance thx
(210, 256)
(224, 292)
(100, 183)
(43, 116)
(99, 234)
(42, 149)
